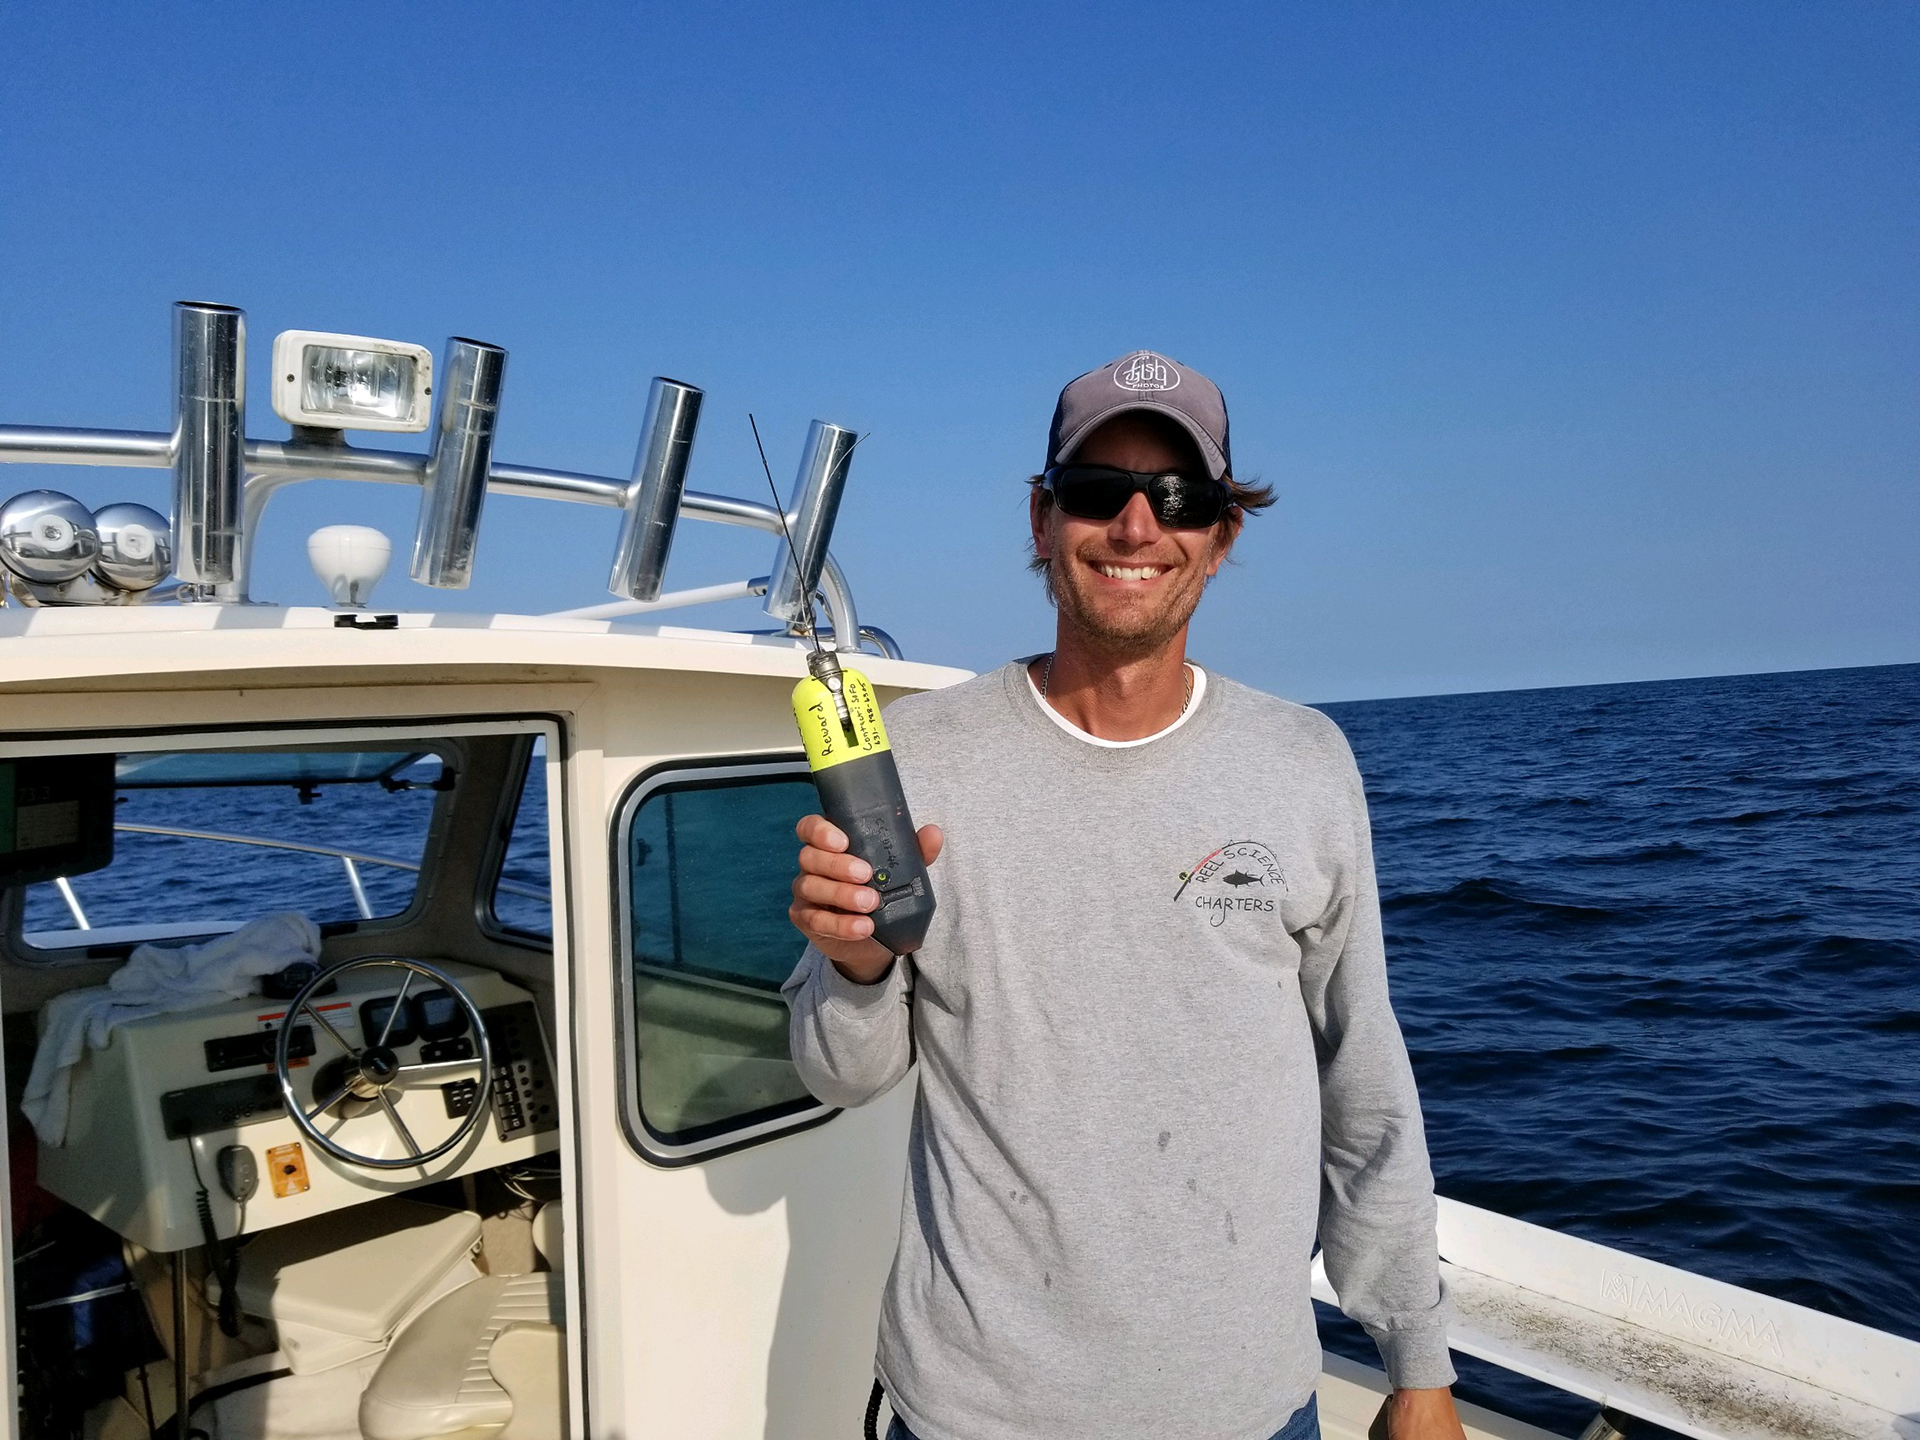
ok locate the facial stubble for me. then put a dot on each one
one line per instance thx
(1127, 631)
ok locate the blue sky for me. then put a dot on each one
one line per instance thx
(1582, 342)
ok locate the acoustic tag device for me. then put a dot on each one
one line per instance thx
(855, 777)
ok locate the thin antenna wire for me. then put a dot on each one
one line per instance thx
(806, 601)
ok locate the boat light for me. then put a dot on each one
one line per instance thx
(47, 538)
(351, 382)
(136, 546)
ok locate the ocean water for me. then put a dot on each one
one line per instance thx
(1656, 952)
(1655, 949)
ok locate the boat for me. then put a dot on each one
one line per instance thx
(512, 1147)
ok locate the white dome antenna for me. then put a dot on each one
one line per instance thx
(349, 559)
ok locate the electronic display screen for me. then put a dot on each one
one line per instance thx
(56, 817)
(373, 1018)
(439, 1015)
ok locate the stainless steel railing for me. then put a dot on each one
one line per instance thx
(350, 863)
(273, 464)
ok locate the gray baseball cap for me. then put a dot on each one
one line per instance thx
(1143, 380)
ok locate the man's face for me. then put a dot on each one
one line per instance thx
(1129, 583)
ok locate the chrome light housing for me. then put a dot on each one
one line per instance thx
(136, 546)
(47, 537)
(351, 382)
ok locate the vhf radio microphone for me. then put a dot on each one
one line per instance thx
(854, 773)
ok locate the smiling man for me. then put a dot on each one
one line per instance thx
(1157, 1058)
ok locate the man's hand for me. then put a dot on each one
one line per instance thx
(832, 900)
(1418, 1415)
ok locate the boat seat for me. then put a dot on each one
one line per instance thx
(487, 1358)
(338, 1286)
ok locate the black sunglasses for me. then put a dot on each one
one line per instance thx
(1100, 492)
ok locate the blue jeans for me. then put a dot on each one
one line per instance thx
(1304, 1424)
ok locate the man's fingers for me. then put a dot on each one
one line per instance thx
(825, 850)
(834, 865)
(821, 833)
(834, 894)
(832, 901)
(818, 924)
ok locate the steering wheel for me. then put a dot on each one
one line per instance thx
(372, 1070)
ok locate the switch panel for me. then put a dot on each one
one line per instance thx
(523, 1098)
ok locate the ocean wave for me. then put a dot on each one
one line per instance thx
(1860, 952)
(1746, 817)
(1900, 1022)
(1484, 897)
(1647, 855)
(1868, 807)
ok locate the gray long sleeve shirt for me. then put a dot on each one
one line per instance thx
(1156, 1059)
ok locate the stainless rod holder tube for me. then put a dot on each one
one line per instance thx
(209, 440)
(458, 462)
(810, 516)
(653, 495)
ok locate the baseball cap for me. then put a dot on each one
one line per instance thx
(1143, 380)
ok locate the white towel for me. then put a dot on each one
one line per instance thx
(154, 981)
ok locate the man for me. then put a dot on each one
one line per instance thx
(1156, 1053)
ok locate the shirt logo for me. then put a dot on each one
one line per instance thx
(1146, 371)
(1240, 877)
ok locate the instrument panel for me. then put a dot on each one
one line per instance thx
(152, 1113)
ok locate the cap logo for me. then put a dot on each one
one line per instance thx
(1146, 371)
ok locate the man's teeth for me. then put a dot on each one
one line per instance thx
(1129, 572)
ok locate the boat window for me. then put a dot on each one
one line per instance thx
(709, 864)
(523, 894)
(205, 841)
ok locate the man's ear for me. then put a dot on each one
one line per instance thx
(1039, 510)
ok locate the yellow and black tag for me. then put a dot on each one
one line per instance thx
(826, 739)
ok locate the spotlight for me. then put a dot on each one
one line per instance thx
(47, 537)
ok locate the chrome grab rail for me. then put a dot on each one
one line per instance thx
(265, 843)
(271, 464)
(65, 887)
(350, 861)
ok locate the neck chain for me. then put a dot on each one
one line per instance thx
(1046, 675)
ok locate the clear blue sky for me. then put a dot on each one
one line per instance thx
(1581, 341)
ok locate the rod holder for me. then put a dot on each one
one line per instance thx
(458, 463)
(810, 516)
(209, 440)
(653, 495)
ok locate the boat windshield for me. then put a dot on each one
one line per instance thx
(207, 840)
